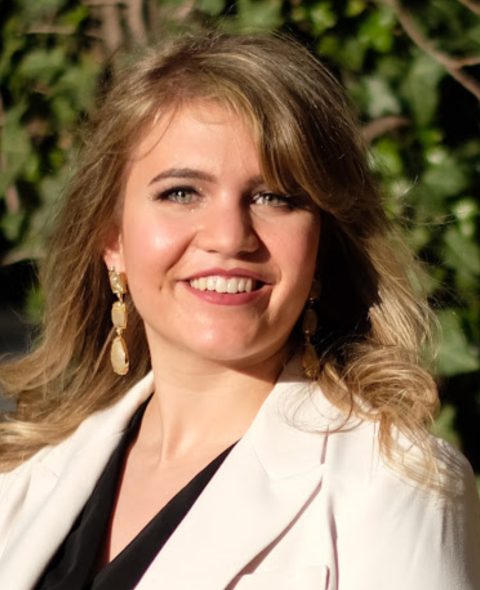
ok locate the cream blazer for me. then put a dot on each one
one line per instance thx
(290, 508)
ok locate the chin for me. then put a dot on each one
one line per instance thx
(234, 353)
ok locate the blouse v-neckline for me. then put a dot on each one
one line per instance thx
(73, 564)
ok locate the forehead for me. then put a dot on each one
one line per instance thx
(190, 124)
(204, 136)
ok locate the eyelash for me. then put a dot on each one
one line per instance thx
(288, 201)
(285, 200)
(169, 194)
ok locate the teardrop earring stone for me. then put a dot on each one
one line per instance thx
(119, 356)
(310, 361)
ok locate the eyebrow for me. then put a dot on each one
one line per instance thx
(183, 173)
(196, 175)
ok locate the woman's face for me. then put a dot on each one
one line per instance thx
(218, 266)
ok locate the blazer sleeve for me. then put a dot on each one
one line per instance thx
(397, 536)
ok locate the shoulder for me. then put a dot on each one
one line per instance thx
(352, 445)
(392, 530)
(92, 433)
(354, 450)
(59, 479)
(387, 530)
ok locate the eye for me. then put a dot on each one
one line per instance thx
(182, 195)
(274, 200)
(269, 199)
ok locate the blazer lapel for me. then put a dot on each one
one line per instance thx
(50, 503)
(265, 482)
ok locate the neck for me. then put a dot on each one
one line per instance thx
(202, 403)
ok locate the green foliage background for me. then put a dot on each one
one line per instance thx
(411, 69)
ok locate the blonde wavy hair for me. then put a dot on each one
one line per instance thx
(373, 324)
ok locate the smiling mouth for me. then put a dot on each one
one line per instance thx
(231, 285)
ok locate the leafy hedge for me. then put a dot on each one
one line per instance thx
(411, 69)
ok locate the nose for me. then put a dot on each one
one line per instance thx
(228, 230)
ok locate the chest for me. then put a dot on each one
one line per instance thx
(145, 488)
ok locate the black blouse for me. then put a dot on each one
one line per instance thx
(72, 566)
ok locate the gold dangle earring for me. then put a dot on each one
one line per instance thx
(119, 353)
(309, 326)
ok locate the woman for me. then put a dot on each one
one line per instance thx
(279, 440)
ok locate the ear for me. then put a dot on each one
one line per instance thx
(113, 252)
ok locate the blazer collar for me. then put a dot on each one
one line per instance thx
(95, 431)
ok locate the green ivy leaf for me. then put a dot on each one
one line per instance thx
(456, 355)
(323, 17)
(255, 15)
(376, 31)
(354, 8)
(389, 161)
(44, 65)
(445, 176)
(421, 88)
(35, 305)
(11, 44)
(352, 54)
(11, 225)
(445, 425)
(15, 146)
(65, 113)
(380, 99)
(75, 17)
(38, 8)
(211, 7)
(467, 212)
(462, 255)
(78, 82)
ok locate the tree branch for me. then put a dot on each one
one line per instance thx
(111, 28)
(136, 23)
(473, 6)
(451, 64)
(12, 199)
(153, 18)
(379, 127)
(104, 2)
(25, 252)
(50, 30)
(462, 62)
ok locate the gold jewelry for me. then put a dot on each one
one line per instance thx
(309, 327)
(119, 352)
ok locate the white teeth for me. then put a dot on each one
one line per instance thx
(223, 285)
(232, 286)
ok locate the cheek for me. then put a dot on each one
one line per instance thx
(151, 245)
(302, 260)
(299, 249)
